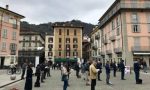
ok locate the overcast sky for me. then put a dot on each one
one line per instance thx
(43, 11)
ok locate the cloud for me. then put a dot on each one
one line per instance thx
(40, 11)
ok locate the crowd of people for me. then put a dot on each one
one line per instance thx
(90, 71)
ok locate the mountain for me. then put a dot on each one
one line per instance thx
(47, 27)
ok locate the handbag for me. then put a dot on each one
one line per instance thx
(64, 77)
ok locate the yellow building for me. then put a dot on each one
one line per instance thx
(67, 41)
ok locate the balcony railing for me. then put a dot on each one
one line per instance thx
(113, 38)
(108, 52)
(118, 50)
(140, 48)
(102, 53)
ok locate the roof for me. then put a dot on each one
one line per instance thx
(15, 14)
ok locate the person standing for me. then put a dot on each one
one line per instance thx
(144, 66)
(87, 66)
(122, 68)
(23, 70)
(37, 73)
(42, 66)
(99, 66)
(107, 67)
(77, 68)
(114, 68)
(93, 74)
(65, 77)
(28, 83)
(137, 71)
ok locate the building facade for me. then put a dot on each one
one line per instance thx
(96, 43)
(31, 45)
(9, 33)
(125, 32)
(86, 49)
(68, 41)
(49, 47)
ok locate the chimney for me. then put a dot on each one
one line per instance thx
(7, 7)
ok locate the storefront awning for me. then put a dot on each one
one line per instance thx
(141, 53)
(64, 60)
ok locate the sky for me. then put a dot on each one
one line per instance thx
(43, 11)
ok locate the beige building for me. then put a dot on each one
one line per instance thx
(31, 45)
(68, 41)
(49, 47)
(9, 33)
(125, 32)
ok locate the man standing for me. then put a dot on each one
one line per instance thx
(137, 71)
(122, 68)
(23, 70)
(114, 68)
(107, 67)
(93, 73)
(99, 66)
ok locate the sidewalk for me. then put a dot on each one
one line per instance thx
(5, 78)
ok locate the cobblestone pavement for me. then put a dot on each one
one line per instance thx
(54, 83)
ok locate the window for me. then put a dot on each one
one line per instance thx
(59, 40)
(50, 40)
(136, 28)
(75, 32)
(30, 38)
(134, 18)
(67, 31)
(75, 46)
(59, 53)
(67, 40)
(67, 53)
(6, 18)
(75, 40)
(36, 38)
(50, 46)
(59, 46)
(3, 46)
(117, 21)
(113, 25)
(23, 44)
(148, 22)
(13, 46)
(75, 53)
(4, 33)
(14, 36)
(68, 47)
(118, 31)
(59, 31)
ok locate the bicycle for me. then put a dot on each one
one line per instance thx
(15, 70)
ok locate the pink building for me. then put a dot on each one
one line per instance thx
(125, 30)
(9, 33)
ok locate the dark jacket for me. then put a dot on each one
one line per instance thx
(28, 83)
(122, 66)
(114, 66)
(38, 70)
(107, 67)
(99, 66)
(136, 67)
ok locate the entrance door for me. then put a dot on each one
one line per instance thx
(2, 62)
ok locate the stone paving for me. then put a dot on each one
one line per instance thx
(55, 83)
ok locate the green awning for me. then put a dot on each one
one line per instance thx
(65, 60)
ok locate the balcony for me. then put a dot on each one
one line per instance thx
(108, 52)
(59, 49)
(140, 49)
(118, 50)
(112, 38)
(67, 49)
(102, 53)
(94, 48)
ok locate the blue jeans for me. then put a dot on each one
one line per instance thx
(65, 85)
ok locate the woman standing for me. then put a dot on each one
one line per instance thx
(65, 77)
(28, 83)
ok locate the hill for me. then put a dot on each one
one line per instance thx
(47, 27)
